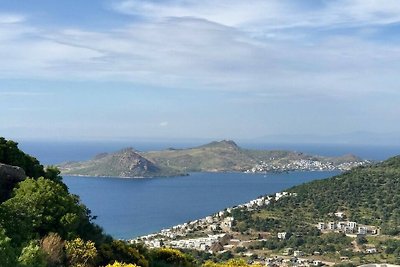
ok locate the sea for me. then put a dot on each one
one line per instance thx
(128, 208)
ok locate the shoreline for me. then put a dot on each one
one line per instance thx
(189, 173)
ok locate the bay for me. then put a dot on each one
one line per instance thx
(127, 208)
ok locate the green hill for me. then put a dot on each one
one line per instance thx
(368, 195)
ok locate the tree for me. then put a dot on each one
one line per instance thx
(32, 256)
(42, 206)
(170, 257)
(7, 253)
(122, 252)
(80, 253)
(53, 173)
(11, 155)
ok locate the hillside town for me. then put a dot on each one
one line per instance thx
(304, 165)
(177, 236)
(214, 234)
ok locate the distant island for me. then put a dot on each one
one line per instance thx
(217, 156)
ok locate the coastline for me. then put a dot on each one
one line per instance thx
(210, 219)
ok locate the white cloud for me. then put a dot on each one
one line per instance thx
(202, 54)
(271, 14)
(11, 18)
(164, 123)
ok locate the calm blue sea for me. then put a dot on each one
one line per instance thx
(127, 208)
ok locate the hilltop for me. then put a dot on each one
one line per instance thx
(217, 156)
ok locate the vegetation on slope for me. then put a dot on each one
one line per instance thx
(367, 195)
(42, 224)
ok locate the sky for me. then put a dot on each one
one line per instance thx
(187, 69)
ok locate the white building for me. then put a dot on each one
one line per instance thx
(298, 253)
(321, 226)
(282, 235)
(352, 225)
(362, 230)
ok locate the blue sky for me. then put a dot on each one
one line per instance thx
(126, 69)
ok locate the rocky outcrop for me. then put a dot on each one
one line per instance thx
(124, 163)
(9, 177)
(134, 165)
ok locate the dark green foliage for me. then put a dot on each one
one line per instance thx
(199, 256)
(120, 251)
(225, 256)
(7, 251)
(309, 243)
(392, 247)
(53, 173)
(167, 257)
(42, 206)
(11, 155)
(361, 240)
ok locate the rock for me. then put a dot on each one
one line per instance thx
(9, 177)
(8, 171)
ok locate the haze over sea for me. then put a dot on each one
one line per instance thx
(127, 208)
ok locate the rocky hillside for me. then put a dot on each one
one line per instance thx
(215, 156)
(124, 163)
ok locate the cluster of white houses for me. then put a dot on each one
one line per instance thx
(348, 227)
(211, 243)
(304, 165)
(220, 222)
(261, 201)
